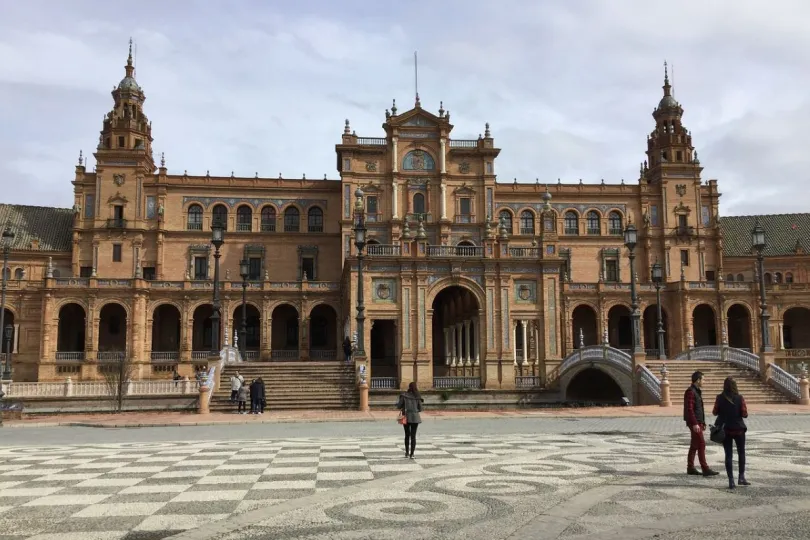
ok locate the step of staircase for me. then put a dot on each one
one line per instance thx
(294, 385)
(714, 373)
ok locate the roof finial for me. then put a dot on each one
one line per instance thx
(667, 87)
(486, 131)
(416, 79)
(441, 109)
(81, 159)
(162, 160)
(394, 108)
(347, 130)
(129, 58)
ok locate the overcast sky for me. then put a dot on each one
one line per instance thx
(568, 87)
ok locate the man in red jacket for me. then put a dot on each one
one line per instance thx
(695, 417)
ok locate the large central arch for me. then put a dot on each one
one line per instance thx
(456, 329)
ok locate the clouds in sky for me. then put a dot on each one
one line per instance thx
(568, 87)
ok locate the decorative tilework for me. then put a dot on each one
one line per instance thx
(347, 201)
(552, 317)
(151, 207)
(384, 291)
(525, 291)
(422, 318)
(505, 316)
(479, 280)
(418, 160)
(490, 318)
(490, 204)
(406, 317)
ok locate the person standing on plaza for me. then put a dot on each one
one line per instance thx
(241, 399)
(730, 409)
(254, 397)
(410, 405)
(236, 383)
(695, 417)
(347, 349)
(262, 397)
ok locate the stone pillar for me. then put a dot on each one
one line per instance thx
(477, 340)
(523, 325)
(394, 158)
(804, 389)
(442, 152)
(394, 200)
(537, 343)
(138, 315)
(447, 354)
(459, 344)
(666, 400)
(443, 202)
(513, 327)
(467, 353)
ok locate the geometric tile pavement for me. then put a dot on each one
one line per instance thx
(466, 487)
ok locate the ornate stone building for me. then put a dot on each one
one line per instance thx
(464, 276)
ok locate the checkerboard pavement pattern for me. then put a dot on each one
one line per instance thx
(150, 491)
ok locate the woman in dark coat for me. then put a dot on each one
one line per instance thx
(730, 409)
(262, 395)
(410, 404)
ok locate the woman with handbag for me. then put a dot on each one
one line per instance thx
(730, 409)
(410, 405)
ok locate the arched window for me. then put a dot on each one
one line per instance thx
(19, 273)
(505, 220)
(57, 273)
(268, 219)
(244, 218)
(526, 222)
(220, 214)
(418, 204)
(292, 219)
(615, 225)
(788, 277)
(730, 277)
(777, 277)
(768, 278)
(7, 273)
(740, 277)
(315, 219)
(592, 222)
(418, 160)
(571, 222)
(550, 221)
(195, 217)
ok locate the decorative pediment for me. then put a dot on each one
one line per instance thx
(370, 188)
(417, 182)
(464, 189)
(682, 209)
(417, 117)
(117, 198)
(419, 120)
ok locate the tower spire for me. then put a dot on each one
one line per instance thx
(667, 87)
(416, 78)
(130, 69)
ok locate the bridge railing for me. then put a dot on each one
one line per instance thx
(785, 382)
(598, 353)
(649, 381)
(722, 353)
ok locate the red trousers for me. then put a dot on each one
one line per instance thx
(697, 446)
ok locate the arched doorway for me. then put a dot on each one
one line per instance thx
(704, 327)
(323, 333)
(165, 333)
(202, 331)
(456, 330)
(584, 327)
(70, 343)
(284, 338)
(620, 328)
(739, 327)
(8, 320)
(112, 332)
(253, 331)
(651, 330)
(796, 328)
(592, 385)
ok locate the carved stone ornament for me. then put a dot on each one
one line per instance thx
(383, 291)
(524, 292)
(680, 189)
(119, 179)
(371, 166)
(464, 167)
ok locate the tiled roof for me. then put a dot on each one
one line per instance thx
(53, 227)
(782, 233)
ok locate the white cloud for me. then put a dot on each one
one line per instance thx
(568, 87)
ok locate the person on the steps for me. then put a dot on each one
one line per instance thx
(695, 418)
(262, 401)
(254, 397)
(236, 383)
(347, 349)
(730, 409)
(410, 403)
(241, 399)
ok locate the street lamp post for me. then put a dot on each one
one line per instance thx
(360, 242)
(658, 278)
(244, 271)
(758, 243)
(8, 237)
(630, 241)
(217, 239)
(9, 332)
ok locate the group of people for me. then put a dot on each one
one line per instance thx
(241, 392)
(730, 410)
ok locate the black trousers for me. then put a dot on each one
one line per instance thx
(410, 438)
(739, 440)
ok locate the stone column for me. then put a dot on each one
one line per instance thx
(447, 350)
(536, 343)
(514, 326)
(394, 199)
(394, 159)
(442, 152)
(443, 205)
(523, 325)
(477, 340)
(460, 343)
(467, 353)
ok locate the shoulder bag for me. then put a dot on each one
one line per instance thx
(402, 419)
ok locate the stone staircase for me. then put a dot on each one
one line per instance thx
(294, 385)
(714, 373)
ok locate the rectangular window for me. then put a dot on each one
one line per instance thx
(121, 142)
(706, 216)
(465, 206)
(709, 275)
(612, 270)
(117, 252)
(371, 205)
(149, 273)
(85, 271)
(151, 207)
(255, 268)
(684, 257)
(490, 168)
(678, 156)
(200, 267)
(654, 215)
(89, 206)
(308, 267)
(682, 222)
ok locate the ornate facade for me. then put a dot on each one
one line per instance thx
(464, 276)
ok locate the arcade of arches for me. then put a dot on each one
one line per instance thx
(456, 332)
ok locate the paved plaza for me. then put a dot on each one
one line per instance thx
(510, 478)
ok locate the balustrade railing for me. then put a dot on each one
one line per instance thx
(323, 354)
(285, 354)
(527, 381)
(268, 226)
(464, 218)
(463, 143)
(384, 383)
(372, 141)
(445, 383)
(244, 227)
(794, 353)
(200, 355)
(389, 250)
(68, 388)
(69, 356)
(785, 381)
(251, 356)
(164, 356)
(111, 356)
(524, 252)
(455, 251)
(649, 381)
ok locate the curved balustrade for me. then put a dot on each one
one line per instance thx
(598, 353)
(722, 353)
(649, 381)
(786, 382)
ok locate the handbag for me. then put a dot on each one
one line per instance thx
(402, 419)
(717, 432)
